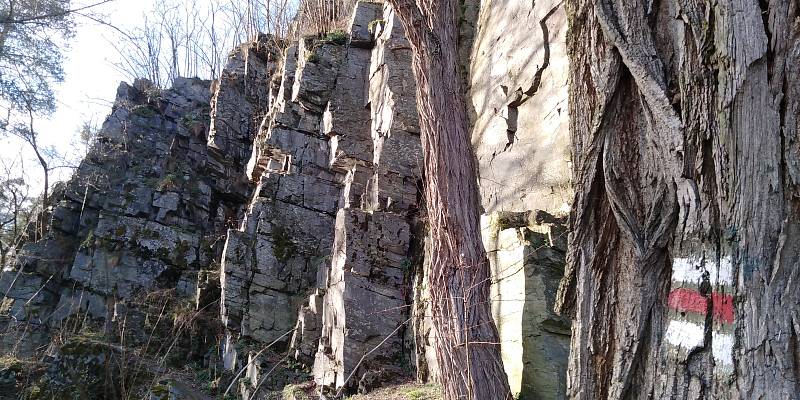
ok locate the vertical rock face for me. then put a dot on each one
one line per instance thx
(138, 216)
(241, 98)
(518, 84)
(322, 260)
(365, 304)
(527, 251)
(271, 261)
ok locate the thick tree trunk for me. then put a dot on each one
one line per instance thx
(467, 345)
(684, 256)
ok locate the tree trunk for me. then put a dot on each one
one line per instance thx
(684, 255)
(467, 345)
(32, 139)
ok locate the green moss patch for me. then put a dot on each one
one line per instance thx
(283, 247)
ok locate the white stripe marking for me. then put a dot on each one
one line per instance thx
(688, 335)
(685, 334)
(722, 274)
(688, 270)
(722, 348)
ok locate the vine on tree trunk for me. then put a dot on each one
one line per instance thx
(467, 343)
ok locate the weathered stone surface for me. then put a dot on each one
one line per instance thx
(347, 118)
(395, 124)
(243, 95)
(518, 85)
(270, 266)
(271, 263)
(318, 63)
(365, 309)
(424, 334)
(362, 24)
(527, 266)
(308, 330)
(294, 214)
(315, 157)
(234, 279)
(138, 216)
(82, 368)
(365, 301)
(173, 389)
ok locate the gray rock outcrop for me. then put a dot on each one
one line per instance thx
(145, 212)
(321, 262)
(136, 217)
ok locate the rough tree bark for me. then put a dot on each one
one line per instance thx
(683, 264)
(467, 345)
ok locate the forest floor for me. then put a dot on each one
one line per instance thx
(406, 391)
(410, 391)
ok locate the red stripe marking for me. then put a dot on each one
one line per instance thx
(723, 307)
(688, 300)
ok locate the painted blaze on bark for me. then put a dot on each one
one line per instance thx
(684, 255)
(467, 345)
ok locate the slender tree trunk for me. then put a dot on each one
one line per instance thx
(46, 180)
(32, 139)
(5, 249)
(684, 256)
(467, 345)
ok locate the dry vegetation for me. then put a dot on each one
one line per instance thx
(318, 17)
(410, 391)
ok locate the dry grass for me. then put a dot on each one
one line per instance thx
(410, 391)
(318, 17)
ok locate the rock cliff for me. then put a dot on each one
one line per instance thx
(275, 214)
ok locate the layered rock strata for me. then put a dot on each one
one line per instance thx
(146, 210)
(527, 256)
(135, 218)
(328, 232)
(242, 96)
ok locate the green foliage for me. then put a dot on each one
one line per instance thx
(420, 394)
(170, 182)
(294, 392)
(88, 241)
(372, 25)
(120, 231)
(33, 35)
(160, 391)
(181, 251)
(143, 111)
(282, 245)
(312, 57)
(404, 392)
(189, 120)
(150, 234)
(336, 37)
